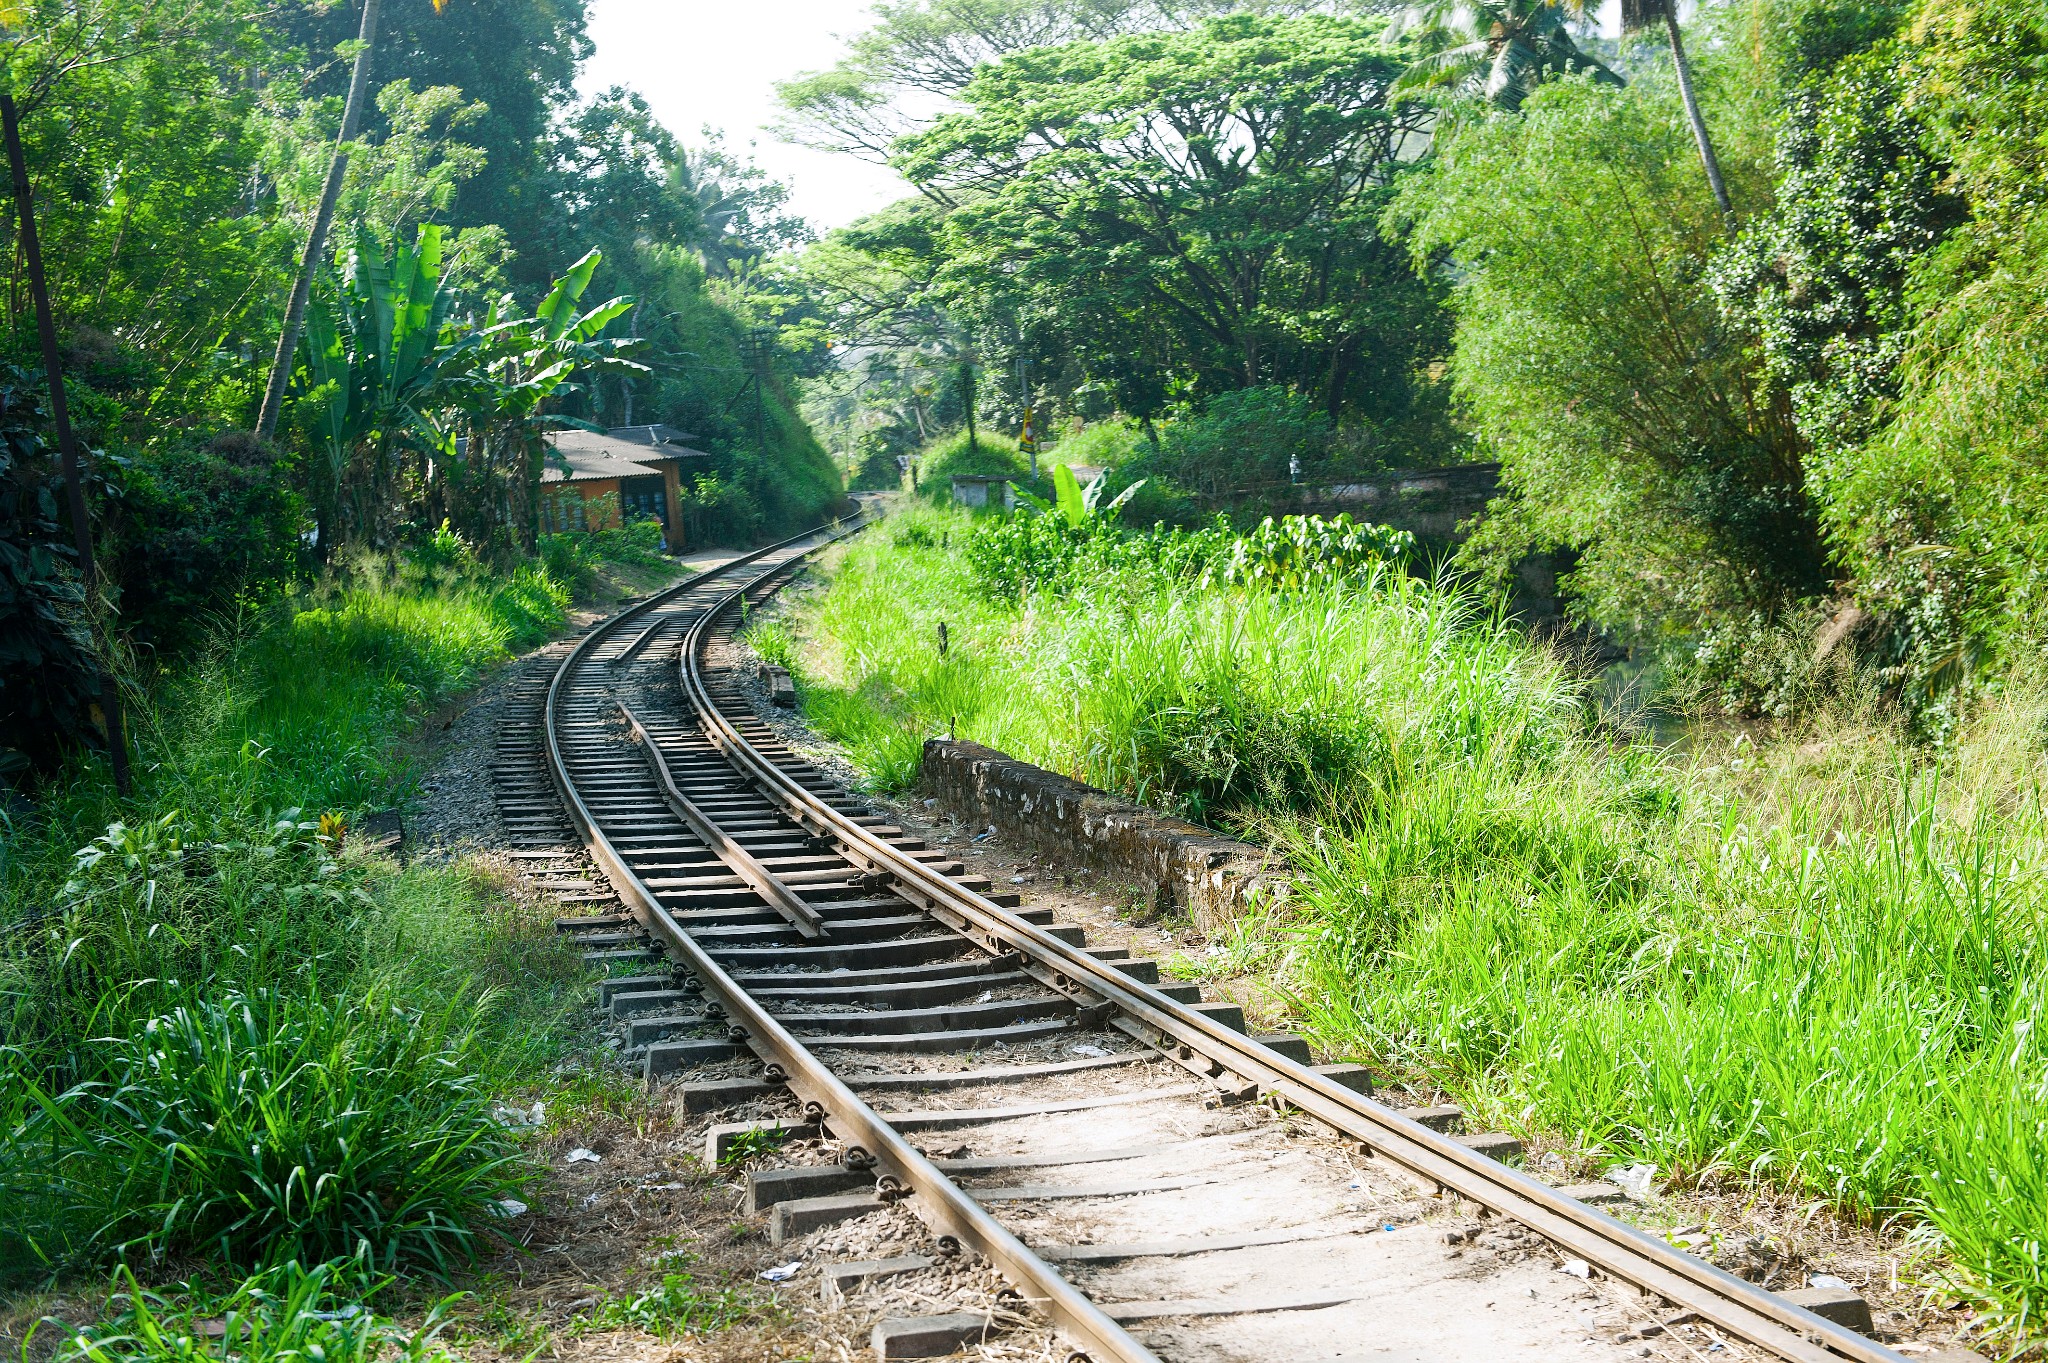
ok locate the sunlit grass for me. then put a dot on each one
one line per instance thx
(1818, 964)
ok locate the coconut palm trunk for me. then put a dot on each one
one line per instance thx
(316, 239)
(1692, 112)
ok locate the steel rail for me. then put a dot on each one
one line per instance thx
(758, 878)
(825, 1098)
(1743, 1309)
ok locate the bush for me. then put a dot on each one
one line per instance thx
(574, 557)
(201, 527)
(937, 462)
(47, 665)
(1249, 439)
(271, 1126)
(1302, 551)
(723, 511)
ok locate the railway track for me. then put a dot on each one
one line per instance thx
(1149, 1180)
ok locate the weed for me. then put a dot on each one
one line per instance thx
(681, 1305)
(286, 1314)
(273, 1126)
(773, 641)
(751, 1143)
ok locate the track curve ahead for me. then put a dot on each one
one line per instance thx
(796, 952)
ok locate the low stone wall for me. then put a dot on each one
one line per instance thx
(1208, 877)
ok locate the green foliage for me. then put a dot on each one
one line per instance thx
(274, 1126)
(1081, 508)
(574, 557)
(1014, 555)
(1933, 499)
(202, 529)
(1679, 481)
(1304, 551)
(680, 1306)
(753, 1142)
(937, 462)
(367, 1017)
(772, 641)
(1139, 680)
(47, 664)
(279, 1315)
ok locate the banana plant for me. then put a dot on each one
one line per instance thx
(489, 445)
(377, 343)
(1080, 507)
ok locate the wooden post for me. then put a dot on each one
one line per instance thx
(108, 695)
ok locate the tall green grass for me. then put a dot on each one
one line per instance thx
(1818, 964)
(287, 1314)
(227, 1033)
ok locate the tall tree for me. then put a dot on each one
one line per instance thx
(316, 235)
(1191, 211)
(1639, 14)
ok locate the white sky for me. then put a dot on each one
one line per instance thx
(717, 63)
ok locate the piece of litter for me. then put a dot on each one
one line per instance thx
(581, 1156)
(345, 1313)
(1356, 1186)
(1388, 1226)
(506, 1115)
(508, 1207)
(1828, 1280)
(1085, 1049)
(782, 1273)
(1634, 1180)
(1579, 1268)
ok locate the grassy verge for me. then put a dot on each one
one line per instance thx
(1817, 964)
(252, 1066)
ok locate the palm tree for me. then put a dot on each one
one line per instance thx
(1498, 50)
(1501, 50)
(1640, 14)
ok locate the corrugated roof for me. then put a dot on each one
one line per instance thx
(581, 456)
(657, 434)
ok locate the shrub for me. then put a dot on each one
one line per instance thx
(271, 1126)
(1240, 440)
(47, 663)
(1300, 551)
(937, 462)
(200, 527)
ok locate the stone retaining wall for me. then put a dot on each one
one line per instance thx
(1206, 876)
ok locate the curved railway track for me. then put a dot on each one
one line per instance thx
(1110, 1145)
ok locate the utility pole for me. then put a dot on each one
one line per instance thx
(967, 400)
(760, 346)
(108, 695)
(316, 240)
(1028, 437)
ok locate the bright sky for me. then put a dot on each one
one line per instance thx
(717, 63)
